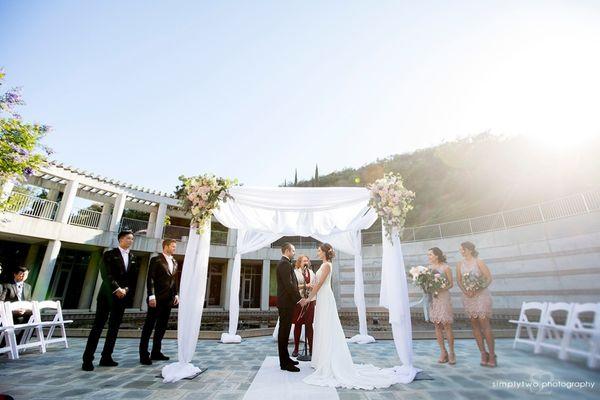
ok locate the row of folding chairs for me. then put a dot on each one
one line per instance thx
(568, 329)
(45, 326)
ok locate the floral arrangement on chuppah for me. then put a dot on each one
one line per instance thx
(392, 201)
(201, 195)
(429, 280)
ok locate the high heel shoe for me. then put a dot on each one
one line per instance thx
(443, 359)
(484, 358)
(452, 359)
(495, 364)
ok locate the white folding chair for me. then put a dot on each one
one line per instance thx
(552, 329)
(7, 335)
(583, 338)
(41, 310)
(532, 327)
(29, 328)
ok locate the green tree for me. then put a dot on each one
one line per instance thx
(21, 152)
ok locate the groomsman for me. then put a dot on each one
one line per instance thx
(118, 270)
(162, 296)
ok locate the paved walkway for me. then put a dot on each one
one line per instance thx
(231, 369)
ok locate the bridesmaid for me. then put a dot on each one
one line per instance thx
(478, 304)
(440, 308)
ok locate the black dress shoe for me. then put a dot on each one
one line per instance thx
(145, 360)
(159, 357)
(87, 366)
(290, 368)
(292, 362)
(109, 362)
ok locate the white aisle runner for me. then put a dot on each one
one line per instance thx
(271, 383)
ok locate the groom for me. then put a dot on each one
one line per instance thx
(287, 298)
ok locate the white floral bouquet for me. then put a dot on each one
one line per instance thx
(473, 282)
(392, 201)
(430, 281)
(201, 195)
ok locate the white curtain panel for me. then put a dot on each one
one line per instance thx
(261, 216)
(191, 304)
(394, 297)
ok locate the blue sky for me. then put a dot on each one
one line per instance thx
(145, 91)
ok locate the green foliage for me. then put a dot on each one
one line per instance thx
(479, 175)
(20, 150)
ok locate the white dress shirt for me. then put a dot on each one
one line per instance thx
(20, 291)
(125, 255)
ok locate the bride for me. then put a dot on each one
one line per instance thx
(331, 357)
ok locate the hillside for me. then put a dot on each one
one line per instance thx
(480, 175)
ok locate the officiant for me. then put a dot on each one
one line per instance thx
(303, 315)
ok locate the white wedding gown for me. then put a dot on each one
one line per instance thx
(331, 357)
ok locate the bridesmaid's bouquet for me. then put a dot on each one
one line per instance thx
(429, 280)
(201, 195)
(473, 282)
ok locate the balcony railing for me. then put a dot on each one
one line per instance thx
(577, 204)
(32, 206)
(138, 226)
(178, 232)
(86, 218)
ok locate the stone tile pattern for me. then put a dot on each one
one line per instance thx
(231, 369)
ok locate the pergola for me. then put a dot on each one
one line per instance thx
(263, 215)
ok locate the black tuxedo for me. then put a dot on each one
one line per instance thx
(162, 284)
(287, 297)
(114, 275)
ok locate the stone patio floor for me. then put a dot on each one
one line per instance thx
(231, 368)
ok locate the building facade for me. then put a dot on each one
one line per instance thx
(548, 254)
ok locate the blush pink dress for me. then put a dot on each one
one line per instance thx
(440, 308)
(480, 305)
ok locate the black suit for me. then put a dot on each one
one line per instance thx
(287, 297)
(162, 284)
(10, 294)
(114, 275)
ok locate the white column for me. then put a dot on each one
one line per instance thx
(264, 287)
(105, 217)
(94, 304)
(117, 213)
(231, 237)
(66, 204)
(6, 190)
(46, 270)
(89, 281)
(228, 283)
(151, 224)
(160, 220)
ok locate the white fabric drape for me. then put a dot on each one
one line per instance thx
(191, 304)
(394, 297)
(247, 241)
(262, 215)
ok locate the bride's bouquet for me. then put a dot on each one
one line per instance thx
(473, 282)
(429, 280)
(201, 195)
